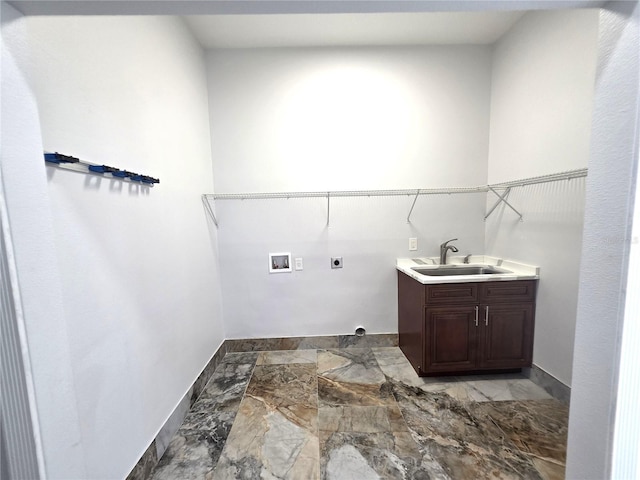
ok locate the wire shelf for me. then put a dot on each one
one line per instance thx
(502, 198)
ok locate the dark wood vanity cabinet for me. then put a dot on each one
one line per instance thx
(466, 327)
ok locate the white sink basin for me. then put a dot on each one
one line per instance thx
(481, 268)
(447, 270)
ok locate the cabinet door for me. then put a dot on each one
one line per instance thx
(506, 339)
(450, 341)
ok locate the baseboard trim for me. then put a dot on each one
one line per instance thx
(152, 455)
(549, 383)
(320, 342)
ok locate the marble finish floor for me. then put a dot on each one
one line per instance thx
(363, 413)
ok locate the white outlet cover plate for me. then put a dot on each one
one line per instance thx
(299, 265)
(413, 244)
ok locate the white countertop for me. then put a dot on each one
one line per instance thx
(519, 271)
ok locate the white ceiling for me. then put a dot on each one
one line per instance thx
(368, 29)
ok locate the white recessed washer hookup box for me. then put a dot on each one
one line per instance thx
(279, 262)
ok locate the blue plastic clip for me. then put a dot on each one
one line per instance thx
(98, 168)
(52, 158)
(58, 158)
(119, 173)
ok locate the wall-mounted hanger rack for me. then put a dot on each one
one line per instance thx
(72, 163)
(505, 186)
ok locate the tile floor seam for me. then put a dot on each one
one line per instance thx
(244, 393)
(387, 380)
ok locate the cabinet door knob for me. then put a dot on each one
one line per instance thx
(486, 316)
(477, 315)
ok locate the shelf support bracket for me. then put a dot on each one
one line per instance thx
(502, 198)
(209, 210)
(413, 205)
(328, 207)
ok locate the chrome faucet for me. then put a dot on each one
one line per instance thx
(444, 248)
